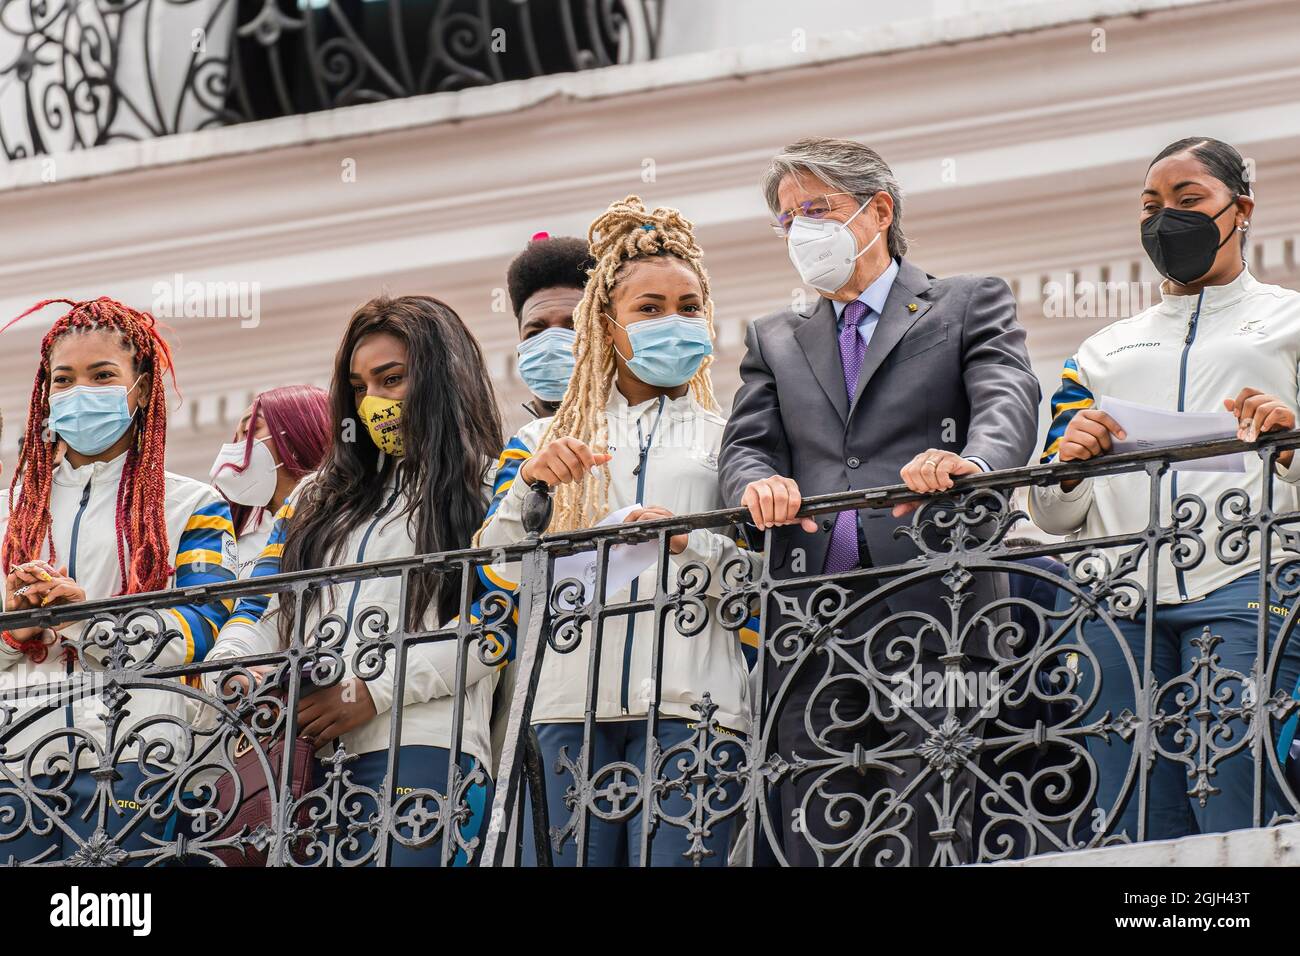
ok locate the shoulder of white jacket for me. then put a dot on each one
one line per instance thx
(1136, 323)
(530, 435)
(183, 487)
(1271, 291)
(1120, 329)
(709, 415)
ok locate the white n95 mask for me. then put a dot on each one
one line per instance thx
(824, 250)
(252, 484)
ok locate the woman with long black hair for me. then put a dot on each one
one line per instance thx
(416, 426)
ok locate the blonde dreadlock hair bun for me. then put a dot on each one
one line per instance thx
(624, 233)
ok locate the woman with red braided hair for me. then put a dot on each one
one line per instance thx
(91, 514)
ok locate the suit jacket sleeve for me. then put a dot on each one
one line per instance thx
(754, 445)
(1000, 383)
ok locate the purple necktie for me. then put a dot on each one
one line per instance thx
(842, 553)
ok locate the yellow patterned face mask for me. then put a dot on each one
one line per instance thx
(383, 419)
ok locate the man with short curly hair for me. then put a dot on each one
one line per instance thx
(545, 283)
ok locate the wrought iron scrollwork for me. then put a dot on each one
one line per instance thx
(75, 74)
(984, 699)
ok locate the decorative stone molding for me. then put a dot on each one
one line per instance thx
(1046, 142)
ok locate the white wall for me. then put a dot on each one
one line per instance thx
(691, 26)
(1048, 140)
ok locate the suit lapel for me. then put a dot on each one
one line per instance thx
(904, 307)
(817, 337)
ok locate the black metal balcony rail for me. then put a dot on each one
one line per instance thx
(81, 73)
(153, 770)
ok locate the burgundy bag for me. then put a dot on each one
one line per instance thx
(255, 808)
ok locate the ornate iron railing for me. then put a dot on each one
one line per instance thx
(81, 73)
(1011, 721)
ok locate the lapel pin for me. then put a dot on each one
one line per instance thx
(911, 307)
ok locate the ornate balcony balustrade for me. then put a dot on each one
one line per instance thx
(969, 701)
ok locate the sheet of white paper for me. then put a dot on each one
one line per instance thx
(1150, 427)
(626, 562)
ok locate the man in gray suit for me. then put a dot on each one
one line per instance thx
(890, 373)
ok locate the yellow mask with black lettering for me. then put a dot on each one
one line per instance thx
(383, 419)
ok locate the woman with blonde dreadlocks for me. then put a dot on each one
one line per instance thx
(638, 426)
(92, 514)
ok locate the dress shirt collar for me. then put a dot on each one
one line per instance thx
(874, 295)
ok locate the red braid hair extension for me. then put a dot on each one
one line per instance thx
(141, 518)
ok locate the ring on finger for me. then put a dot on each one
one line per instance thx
(932, 462)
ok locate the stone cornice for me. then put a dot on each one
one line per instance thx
(1048, 141)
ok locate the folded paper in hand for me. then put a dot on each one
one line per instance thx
(625, 564)
(1149, 427)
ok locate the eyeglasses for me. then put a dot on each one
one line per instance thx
(813, 209)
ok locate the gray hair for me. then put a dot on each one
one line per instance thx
(844, 166)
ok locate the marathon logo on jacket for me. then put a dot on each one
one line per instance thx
(1130, 346)
(75, 909)
(230, 556)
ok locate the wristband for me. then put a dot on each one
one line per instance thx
(34, 648)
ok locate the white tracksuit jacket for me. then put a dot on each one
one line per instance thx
(1186, 353)
(679, 472)
(83, 504)
(430, 667)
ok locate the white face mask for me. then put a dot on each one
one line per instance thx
(255, 484)
(824, 250)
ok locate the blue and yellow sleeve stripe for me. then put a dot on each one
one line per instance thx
(204, 555)
(748, 634)
(749, 642)
(498, 639)
(512, 459)
(1072, 396)
(489, 579)
(249, 610)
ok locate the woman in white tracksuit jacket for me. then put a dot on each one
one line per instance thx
(1218, 339)
(281, 438)
(409, 383)
(637, 427)
(94, 515)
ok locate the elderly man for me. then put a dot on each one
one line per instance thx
(889, 373)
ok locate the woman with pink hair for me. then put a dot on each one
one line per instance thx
(283, 436)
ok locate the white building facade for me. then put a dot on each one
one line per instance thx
(1020, 131)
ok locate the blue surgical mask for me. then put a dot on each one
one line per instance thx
(668, 351)
(546, 363)
(91, 418)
